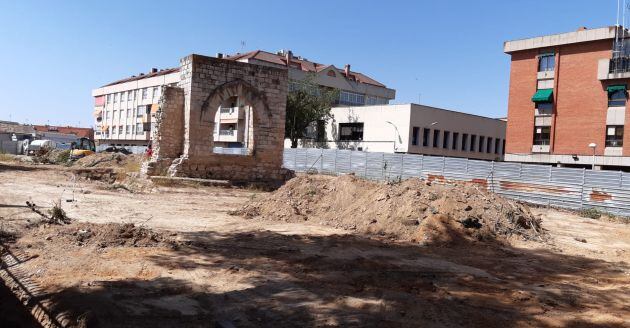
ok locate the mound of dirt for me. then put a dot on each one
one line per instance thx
(110, 160)
(103, 235)
(53, 156)
(413, 210)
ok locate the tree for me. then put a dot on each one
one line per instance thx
(307, 104)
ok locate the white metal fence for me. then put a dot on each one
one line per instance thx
(540, 184)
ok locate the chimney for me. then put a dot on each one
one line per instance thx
(346, 70)
(219, 55)
(289, 56)
(582, 28)
(154, 70)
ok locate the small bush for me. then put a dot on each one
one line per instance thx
(591, 213)
(6, 157)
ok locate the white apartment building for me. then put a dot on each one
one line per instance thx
(123, 109)
(414, 129)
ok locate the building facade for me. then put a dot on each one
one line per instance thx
(123, 110)
(567, 99)
(355, 89)
(414, 129)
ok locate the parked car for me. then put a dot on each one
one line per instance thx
(114, 149)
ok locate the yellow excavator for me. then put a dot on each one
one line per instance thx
(81, 148)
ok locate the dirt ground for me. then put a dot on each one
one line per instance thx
(208, 268)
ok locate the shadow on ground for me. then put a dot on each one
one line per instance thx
(351, 281)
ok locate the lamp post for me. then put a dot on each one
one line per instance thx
(594, 146)
(396, 134)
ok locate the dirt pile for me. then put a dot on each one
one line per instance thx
(119, 160)
(103, 235)
(53, 156)
(410, 210)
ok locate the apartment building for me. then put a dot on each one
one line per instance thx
(414, 129)
(355, 89)
(123, 110)
(567, 99)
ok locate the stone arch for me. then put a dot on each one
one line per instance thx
(240, 88)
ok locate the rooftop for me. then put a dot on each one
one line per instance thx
(300, 63)
(581, 35)
(155, 72)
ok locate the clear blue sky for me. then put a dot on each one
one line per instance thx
(448, 53)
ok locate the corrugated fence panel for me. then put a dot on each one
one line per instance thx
(563, 187)
(393, 170)
(412, 166)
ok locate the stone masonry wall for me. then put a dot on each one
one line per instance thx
(205, 83)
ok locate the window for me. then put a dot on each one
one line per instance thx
(371, 100)
(128, 129)
(544, 108)
(144, 93)
(115, 112)
(481, 141)
(489, 145)
(129, 112)
(120, 114)
(135, 94)
(109, 98)
(464, 141)
(473, 142)
(141, 110)
(546, 62)
(350, 131)
(155, 92)
(617, 98)
(115, 98)
(455, 137)
(129, 95)
(436, 138)
(542, 135)
(123, 96)
(120, 129)
(139, 128)
(351, 98)
(496, 145)
(425, 137)
(414, 136)
(614, 135)
(446, 139)
(503, 147)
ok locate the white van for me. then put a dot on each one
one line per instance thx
(39, 145)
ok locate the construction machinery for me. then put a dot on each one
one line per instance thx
(81, 148)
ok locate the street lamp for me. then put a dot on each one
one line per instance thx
(594, 146)
(396, 134)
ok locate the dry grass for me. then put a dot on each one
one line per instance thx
(7, 157)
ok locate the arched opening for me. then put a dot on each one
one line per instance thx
(234, 127)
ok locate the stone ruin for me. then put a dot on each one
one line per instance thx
(183, 137)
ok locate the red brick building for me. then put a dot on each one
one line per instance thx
(567, 94)
(79, 132)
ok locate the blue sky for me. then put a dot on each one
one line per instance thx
(444, 53)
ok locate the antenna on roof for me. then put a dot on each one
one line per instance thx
(242, 46)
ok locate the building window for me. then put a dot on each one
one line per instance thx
(446, 139)
(155, 92)
(544, 108)
(120, 129)
(436, 138)
(489, 145)
(414, 136)
(425, 137)
(139, 128)
(128, 129)
(503, 147)
(496, 145)
(351, 98)
(614, 136)
(123, 96)
(120, 114)
(455, 139)
(350, 131)
(481, 142)
(473, 142)
(109, 98)
(464, 141)
(114, 112)
(372, 100)
(617, 98)
(115, 98)
(546, 62)
(141, 110)
(129, 112)
(144, 93)
(542, 135)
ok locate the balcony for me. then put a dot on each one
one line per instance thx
(231, 114)
(228, 136)
(611, 69)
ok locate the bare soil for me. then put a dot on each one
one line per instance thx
(199, 266)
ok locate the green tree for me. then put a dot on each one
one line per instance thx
(307, 104)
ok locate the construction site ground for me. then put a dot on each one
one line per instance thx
(200, 266)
